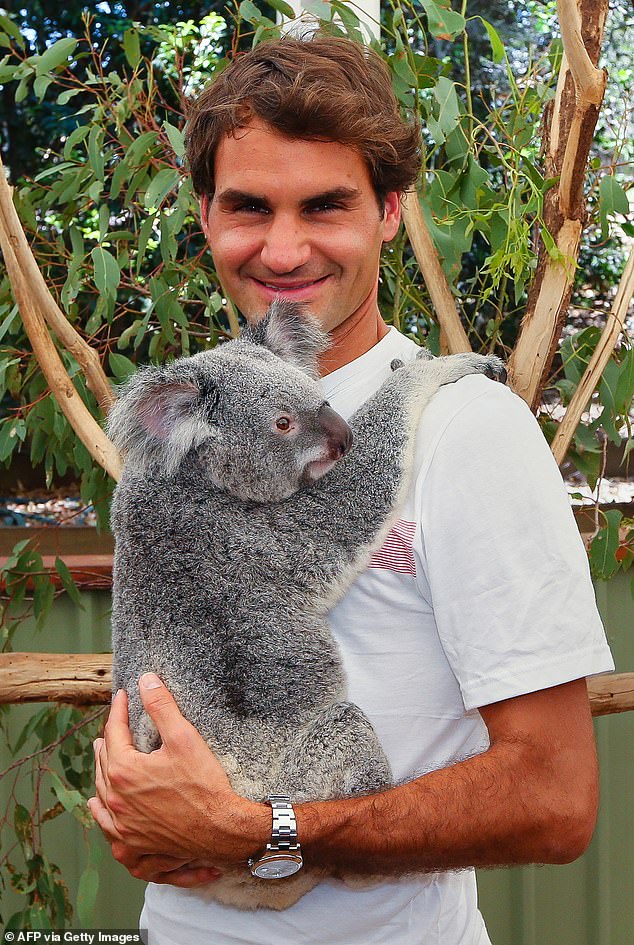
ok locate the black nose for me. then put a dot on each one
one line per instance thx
(337, 431)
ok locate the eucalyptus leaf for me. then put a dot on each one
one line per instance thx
(107, 272)
(55, 55)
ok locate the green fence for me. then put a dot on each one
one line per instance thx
(590, 902)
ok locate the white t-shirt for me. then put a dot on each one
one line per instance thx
(481, 592)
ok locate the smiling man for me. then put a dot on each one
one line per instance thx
(466, 641)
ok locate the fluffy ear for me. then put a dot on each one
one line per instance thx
(155, 415)
(292, 333)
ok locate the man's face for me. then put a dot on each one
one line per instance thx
(296, 219)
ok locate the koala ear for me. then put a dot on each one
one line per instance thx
(292, 333)
(162, 408)
(154, 414)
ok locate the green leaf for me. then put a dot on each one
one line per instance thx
(282, 7)
(318, 8)
(23, 829)
(40, 86)
(55, 55)
(604, 546)
(74, 138)
(249, 12)
(122, 368)
(69, 799)
(87, 895)
(448, 110)
(132, 47)
(497, 46)
(624, 393)
(443, 22)
(176, 138)
(161, 185)
(64, 97)
(107, 272)
(612, 199)
(141, 147)
(95, 151)
(67, 582)
(12, 29)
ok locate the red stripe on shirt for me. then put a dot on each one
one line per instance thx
(396, 553)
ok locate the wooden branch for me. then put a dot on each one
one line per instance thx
(589, 81)
(87, 678)
(73, 407)
(55, 677)
(601, 356)
(435, 279)
(12, 233)
(610, 694)
(540, 331)
(567, 141)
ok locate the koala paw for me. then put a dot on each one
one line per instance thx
(495, 368)
(396, 363)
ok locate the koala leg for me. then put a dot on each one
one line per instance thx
(336, 755)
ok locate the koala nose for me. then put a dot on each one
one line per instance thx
(337, 431)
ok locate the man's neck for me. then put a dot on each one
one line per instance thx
(351, 339)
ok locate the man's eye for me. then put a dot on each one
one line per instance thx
(250, 208)
(324, 208)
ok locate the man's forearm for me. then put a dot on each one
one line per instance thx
(521, 801)
(475, 813)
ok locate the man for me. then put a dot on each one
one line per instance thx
(466, 643)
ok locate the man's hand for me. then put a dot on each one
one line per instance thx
(170, 816)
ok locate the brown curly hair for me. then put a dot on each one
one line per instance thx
(324, 88)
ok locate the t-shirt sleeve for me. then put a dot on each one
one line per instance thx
(502, 555)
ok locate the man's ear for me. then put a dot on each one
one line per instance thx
(392, 215)
(204, 214)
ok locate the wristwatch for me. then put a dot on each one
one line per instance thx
(283, 855)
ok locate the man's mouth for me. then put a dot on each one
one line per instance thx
(289, 288)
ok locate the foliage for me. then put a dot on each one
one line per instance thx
(54, 777)
(114, 226)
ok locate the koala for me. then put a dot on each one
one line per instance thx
(245, 509)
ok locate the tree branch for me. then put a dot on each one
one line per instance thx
(598, 361)
(435, 279)
(73, 407)
(86, 357)
(568, 139)
(87, 679)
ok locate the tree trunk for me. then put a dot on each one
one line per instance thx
(568, 131)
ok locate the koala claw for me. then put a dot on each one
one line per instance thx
(396, 363)
(496, 370)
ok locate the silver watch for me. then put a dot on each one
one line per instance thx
(283, 855)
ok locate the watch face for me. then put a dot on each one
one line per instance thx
(277, 867)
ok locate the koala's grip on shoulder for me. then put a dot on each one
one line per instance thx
(238, 523)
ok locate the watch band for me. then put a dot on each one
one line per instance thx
(283, 855)
(284, 828)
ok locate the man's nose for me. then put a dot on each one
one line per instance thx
(285, 247)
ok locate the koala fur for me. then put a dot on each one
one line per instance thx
(234, 538)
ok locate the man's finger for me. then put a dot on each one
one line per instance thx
(117, 732)
(160, 705)
(102, 816)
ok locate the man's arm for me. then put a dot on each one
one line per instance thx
(531, 797)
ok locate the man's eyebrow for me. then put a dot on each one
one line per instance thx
(233, 196)
(333, 196)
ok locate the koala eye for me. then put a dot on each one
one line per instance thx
(283, 424)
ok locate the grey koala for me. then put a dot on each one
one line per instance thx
(245, 510)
